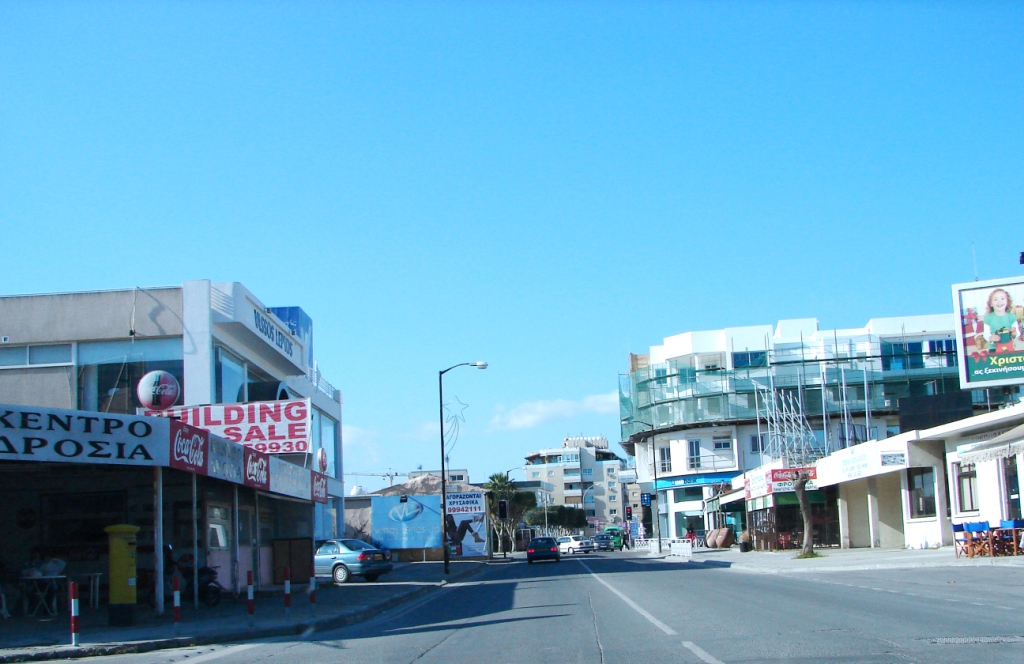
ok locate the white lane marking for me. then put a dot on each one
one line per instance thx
(224, 652)
(700, 652)
(633, 605)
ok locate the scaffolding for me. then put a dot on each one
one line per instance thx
(789, 434)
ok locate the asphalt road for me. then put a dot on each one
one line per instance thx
(621, 607)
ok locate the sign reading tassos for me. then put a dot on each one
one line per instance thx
(49, 434)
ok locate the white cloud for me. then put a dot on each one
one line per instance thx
(533, 413)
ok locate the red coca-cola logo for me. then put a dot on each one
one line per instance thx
(189, 448)
(158, 390)
(256, 469)
(321, 459)
(319, 488)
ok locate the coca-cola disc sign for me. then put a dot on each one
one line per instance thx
(158, 390)
(256, 469)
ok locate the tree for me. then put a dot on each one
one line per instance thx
(519, 503)
(799, 486)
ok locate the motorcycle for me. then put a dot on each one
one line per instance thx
(209, 588)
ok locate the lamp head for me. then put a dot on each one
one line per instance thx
(479, 365)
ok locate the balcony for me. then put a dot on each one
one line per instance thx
(573, 493)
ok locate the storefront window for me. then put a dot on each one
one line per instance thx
(967, 487)
(922, 492)
(109, 371)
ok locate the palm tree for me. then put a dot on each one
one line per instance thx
(518, 503)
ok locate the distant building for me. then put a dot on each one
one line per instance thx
(454, 475)
(582, 473)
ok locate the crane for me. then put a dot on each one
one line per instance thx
(391, 475)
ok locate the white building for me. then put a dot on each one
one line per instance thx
(698, 397)
(582, 473)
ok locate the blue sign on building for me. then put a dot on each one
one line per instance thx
(413, 524)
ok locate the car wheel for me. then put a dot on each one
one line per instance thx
(371, 577)
(570, 551)
(341, 574)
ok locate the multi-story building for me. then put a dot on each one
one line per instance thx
(696, 403)
(454, 475)
(582, 473)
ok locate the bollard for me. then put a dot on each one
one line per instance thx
(177, 603)
(287, 591)
(73, 596)
(252, 598)
(312, 588)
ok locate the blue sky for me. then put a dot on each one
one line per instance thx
(545, 186)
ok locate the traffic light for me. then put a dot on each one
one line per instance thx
(502, 509)
(629, 513)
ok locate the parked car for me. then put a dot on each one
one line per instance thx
(574, 544)
(604, 542)
(543, 548)
(342, 559)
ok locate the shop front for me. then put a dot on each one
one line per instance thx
(773, 516)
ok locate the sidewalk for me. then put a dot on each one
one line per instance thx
(24, 639)
(842, 560)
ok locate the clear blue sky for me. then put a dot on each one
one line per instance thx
(545, 186)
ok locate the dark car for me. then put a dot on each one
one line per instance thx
(345, 558)
(604, 542)
(543, 548)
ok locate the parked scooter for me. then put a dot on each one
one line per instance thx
(210, 589)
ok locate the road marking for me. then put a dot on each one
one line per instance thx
(223, 652)
(633, 605)
(700, 652)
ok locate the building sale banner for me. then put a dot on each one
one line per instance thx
(989, 339)
(272, 427)
(466, 523)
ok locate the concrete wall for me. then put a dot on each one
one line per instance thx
(154, 312)
(49, 387)
(858, 531)
(889, 489)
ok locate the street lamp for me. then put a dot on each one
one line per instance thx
(444, 473)
(656, 512)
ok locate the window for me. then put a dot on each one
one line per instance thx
(943, 348)
(109, 371)
(723, 443)
(967, 486)
(19, 356)
(611, 471)
(758, 443)
(902, 356)
(922, 492)
(589, 472)
(551, 473)
(693, 462)
(613, 511)
(456, 478)
(611, 485)
(229, 377)
(687, 494)
(749, 359)
(535, 474)
(665, 460)
(612, 497)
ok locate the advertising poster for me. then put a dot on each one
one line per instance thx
(272, 427)
(990, 347)
(466, 522)
(413, 524)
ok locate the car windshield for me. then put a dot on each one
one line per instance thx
(564, 539)
(542, 541)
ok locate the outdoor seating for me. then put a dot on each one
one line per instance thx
(961, 541)
(979, 542)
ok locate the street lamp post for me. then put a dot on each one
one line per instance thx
(656, 504)
(444, 473)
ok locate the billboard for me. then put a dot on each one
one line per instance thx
(412, 524)
(466, 522)
(990, 350)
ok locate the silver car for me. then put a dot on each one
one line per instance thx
(344, 558)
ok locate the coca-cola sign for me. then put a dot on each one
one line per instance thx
(158, 390)
(257, 469)
(189, 448)
(319, 486)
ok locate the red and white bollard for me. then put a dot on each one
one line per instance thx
(252, 597)
(312, 587)
(176, 586)
(287, 590)
(73, 596)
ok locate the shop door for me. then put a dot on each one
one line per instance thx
(1012, 488)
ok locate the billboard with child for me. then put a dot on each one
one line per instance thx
(990, 344)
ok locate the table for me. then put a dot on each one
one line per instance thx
(93, 581)
(40, 592)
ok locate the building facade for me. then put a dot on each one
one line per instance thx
(582, 473)
(696, 405)
(88, 351)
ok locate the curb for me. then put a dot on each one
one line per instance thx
(295, 629)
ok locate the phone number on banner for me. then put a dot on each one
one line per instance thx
(275, 447)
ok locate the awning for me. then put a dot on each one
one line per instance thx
(1008, 444)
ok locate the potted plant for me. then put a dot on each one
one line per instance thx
(745, 541)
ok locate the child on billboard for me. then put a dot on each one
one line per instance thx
(1001, 324)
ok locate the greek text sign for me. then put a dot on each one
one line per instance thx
(74, 436)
